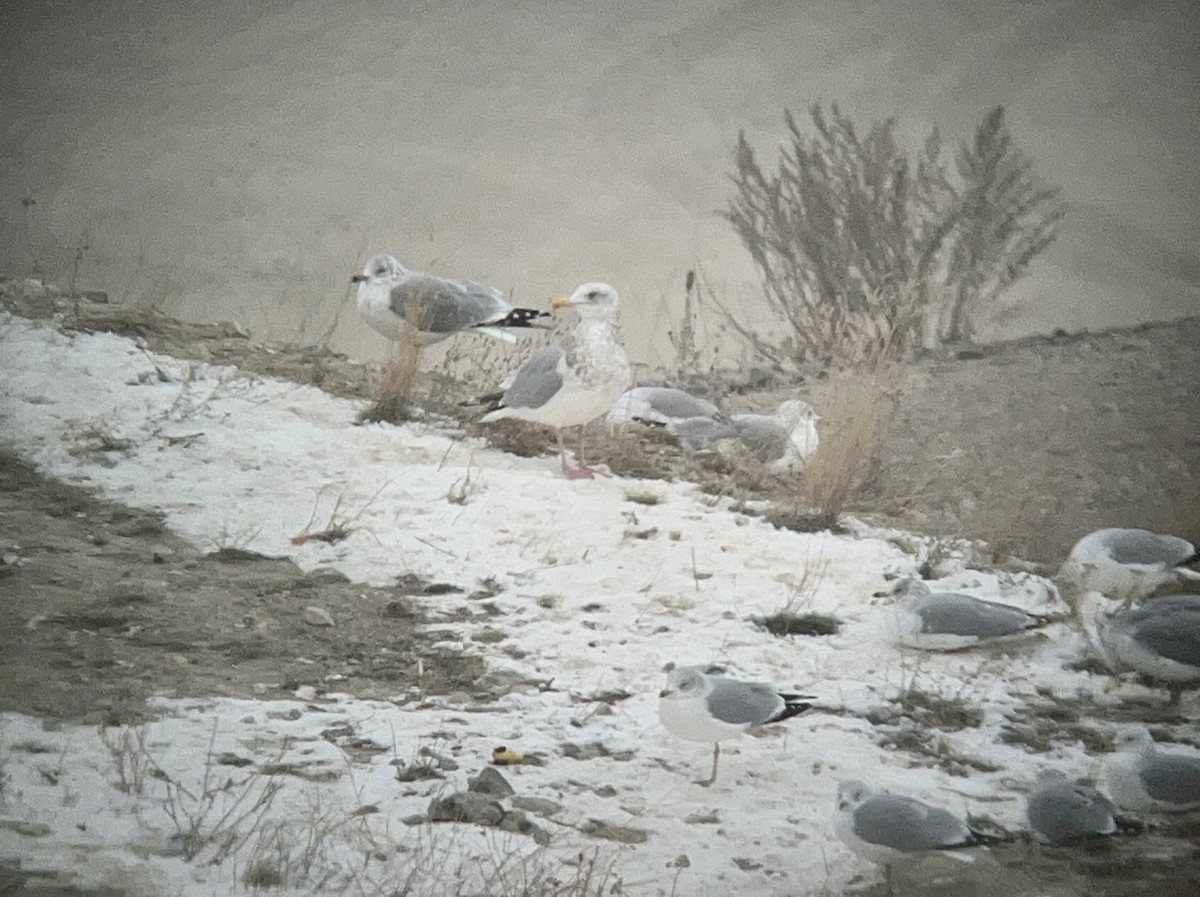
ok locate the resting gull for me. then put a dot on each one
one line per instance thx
(658, 406)
(393, 299)
(1125, 564)
(785, 441)
(1140, 778)
(698, 707)
(1064, 812)
(571, 383)
(884, 828)
(1160, 638)
(950, 621)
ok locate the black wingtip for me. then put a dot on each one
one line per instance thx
(793, 705)
(519, 317)
(491, 401)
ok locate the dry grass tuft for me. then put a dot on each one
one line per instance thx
(852, 407)
(393, 400)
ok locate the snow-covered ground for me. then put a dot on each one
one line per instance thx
(591, 607)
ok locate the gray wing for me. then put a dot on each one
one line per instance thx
(675, 403)
(764, 436)
(1065, 811)
(698, 433)
(1139, 546)
(907, 825)
(537, 380)
(950, 613)
(438, 305)
(1173, 779)
(741, 703)
(1169, 627)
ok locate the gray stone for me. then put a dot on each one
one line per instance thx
(466, 806)
(538, 806)
(491, 783)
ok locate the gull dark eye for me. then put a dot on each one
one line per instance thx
(593, 295)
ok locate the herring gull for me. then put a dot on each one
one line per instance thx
(1140, 778)
(950, 621)
(1160, 638)
(1064, 812)
(658, 405)
(698, 707)
(570, 383)
(1125, 564)
(393, 300)
(883, 828)
(785, 440)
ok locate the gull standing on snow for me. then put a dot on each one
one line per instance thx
(569, 384)
(1064, 812)
(884, 828)
(393, 300)
(950, 621)
(785, 441)
(658, 405)
(1142, 779)
(1125, 564)
(1160, 639)
(698, 707)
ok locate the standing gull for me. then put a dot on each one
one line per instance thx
(1064, 812)
(785, 441)
(394, 301)
(884, 828)
(1125, 564)
(569, 384)
(1140, 778)
(658, 405)
(698, 707)
(1160, 639)
(950, 621)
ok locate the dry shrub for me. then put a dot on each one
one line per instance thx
(851, 408)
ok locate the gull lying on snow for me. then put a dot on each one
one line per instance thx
(784, 441)
(1141, 778)
(569, 384)
(950, 621)
(1160, 639)
(1125, 564)
(884, 828)
(698, 707)
(1064, 812)
(393, 300)
(658, 405)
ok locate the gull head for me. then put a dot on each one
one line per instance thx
(380, 267)
(683, 683)
(850, 794)
(591, 300)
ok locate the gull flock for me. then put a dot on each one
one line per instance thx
(1101, 601)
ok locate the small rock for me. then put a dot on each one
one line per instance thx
(605, 791)
(592, 750)
(28, 829)
(746, 864)
(622, 834)
(709, 818)
(538, 806)
(466, 806)
(317, 616)
(228, 758)
(491, 782)
(415, 819)
(681, 862)
(305, 693)
(517, 822)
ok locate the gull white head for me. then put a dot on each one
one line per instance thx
(380, 267)
(591, 300)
